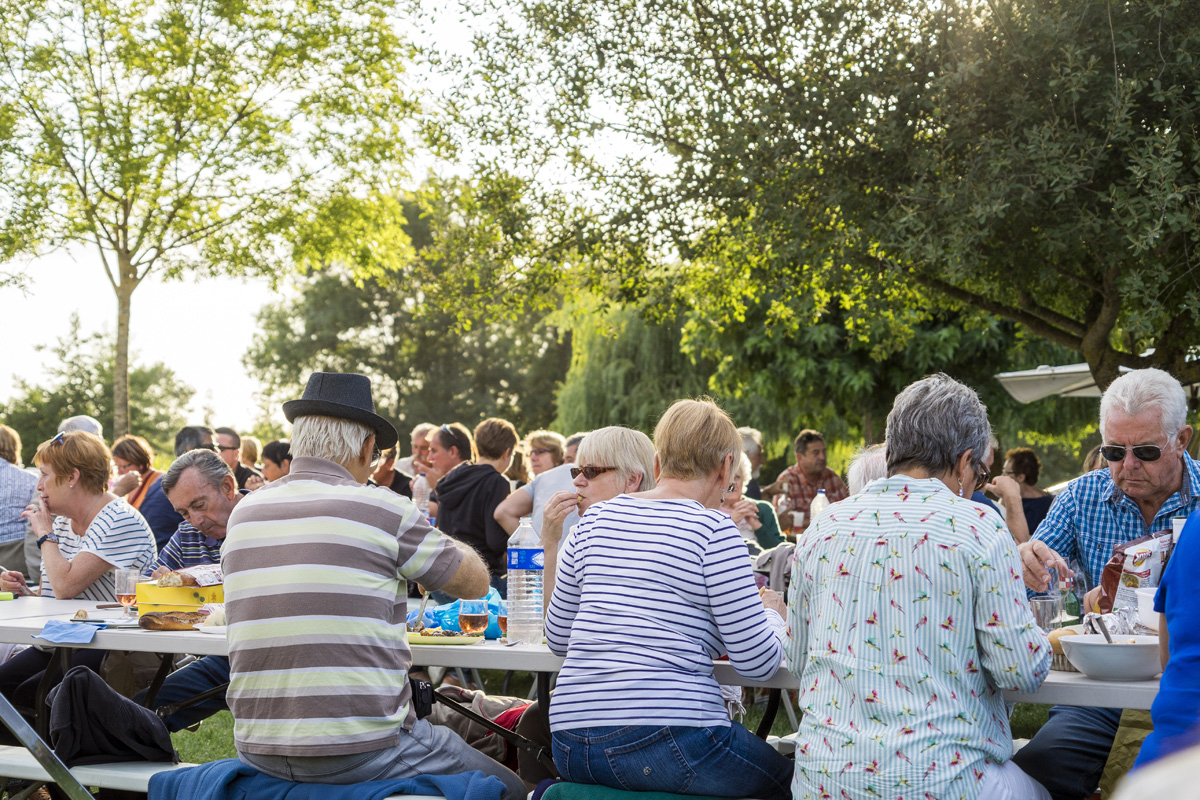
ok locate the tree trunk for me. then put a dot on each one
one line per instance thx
(121, 368)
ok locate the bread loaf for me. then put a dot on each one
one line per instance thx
(176, 579)
(171, 620)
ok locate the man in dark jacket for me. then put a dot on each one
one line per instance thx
(468, 497)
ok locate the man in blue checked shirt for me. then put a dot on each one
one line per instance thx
(1150, 480)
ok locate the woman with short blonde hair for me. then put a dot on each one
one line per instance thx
(653, 585)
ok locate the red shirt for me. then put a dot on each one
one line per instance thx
(802, 490)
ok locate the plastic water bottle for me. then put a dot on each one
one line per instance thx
(819, 504)
(420, 492)
(526, 564)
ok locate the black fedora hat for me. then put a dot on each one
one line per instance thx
(342, 395)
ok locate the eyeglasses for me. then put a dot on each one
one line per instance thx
(224, 447)
(541, 451)
(591, 473)
(982, 476)
(1142, 452)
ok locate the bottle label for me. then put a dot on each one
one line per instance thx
(526, 559)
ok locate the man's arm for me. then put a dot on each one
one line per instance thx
(470, 580)
(512, 508)
(1052, 544)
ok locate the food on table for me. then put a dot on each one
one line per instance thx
(1055, 635)
(216, 615)
(80, 614)
(437, 632)
(171, 620)
(200, 575)
(1135, 564)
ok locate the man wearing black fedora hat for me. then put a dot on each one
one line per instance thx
(315, 567)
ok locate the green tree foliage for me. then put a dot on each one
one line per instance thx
(80, 380)
(625, 369)
(1034, 160)
(429, 362)
(186, 135)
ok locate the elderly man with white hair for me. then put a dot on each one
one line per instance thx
(1150, 480)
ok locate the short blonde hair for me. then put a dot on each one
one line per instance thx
(10, 445)
(549, 440)
(251, 450)
(330, 438)
(628, 450)
(77, 450)
(693, 438)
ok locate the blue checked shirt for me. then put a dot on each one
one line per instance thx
(1091, 516)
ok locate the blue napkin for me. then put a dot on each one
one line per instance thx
(63, 632)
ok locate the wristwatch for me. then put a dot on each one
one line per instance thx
(49, 537)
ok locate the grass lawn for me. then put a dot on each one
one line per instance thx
(214, 739)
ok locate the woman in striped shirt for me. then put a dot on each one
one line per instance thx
(651, 588)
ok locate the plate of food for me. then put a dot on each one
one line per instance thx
(439, 636)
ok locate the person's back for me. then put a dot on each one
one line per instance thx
(467, 499)
(16, 492)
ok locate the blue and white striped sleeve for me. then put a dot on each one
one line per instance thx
(751, 633)
(564, 604)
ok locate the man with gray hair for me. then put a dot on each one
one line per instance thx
(82, 422)
(1150, 480)
(204, 492)
(417, 463)
(315, 571)
(752, 447)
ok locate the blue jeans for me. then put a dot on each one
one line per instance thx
(199, 676)
(1067, 755)
(720, 762)
(425, 750)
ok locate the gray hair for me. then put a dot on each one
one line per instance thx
(421, 431)
(574, 440)
(208, 465)
(82, 422)
(751, 441)
(741, 470)
(1144, 390)
(868, 464)
(628, 450)
(933, 422)
(330, 438)
(191, 437)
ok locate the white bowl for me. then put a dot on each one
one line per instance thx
(1128, 658)
(1146, 613)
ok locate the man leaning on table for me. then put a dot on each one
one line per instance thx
(204, 491)
(315, 567)
(1149, 481)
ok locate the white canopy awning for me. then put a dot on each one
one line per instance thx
(1070, 380)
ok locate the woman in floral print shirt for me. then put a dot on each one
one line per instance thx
(907, 617)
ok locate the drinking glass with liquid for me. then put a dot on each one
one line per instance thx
(502, 617)
(126, 586)
(473, 616)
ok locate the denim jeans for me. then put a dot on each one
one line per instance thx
(720, 762)
(426, 750)
(1067, 755)
(199, 676)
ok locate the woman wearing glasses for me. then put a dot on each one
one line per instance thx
(907, 616)
(652, 586)
(547, 450)
(133, 456)
(85, 533)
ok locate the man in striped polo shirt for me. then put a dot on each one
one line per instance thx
(315, 567)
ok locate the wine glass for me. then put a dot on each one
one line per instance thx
(127, 581)
(473, 616)
(502, 617)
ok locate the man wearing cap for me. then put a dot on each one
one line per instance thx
(315, 566)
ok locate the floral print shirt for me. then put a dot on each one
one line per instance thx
(907, 617)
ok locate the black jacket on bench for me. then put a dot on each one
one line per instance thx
(91, 724)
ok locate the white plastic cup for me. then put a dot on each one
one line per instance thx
(1177, 528)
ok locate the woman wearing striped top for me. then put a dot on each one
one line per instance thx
(84, 533)
(653, 586)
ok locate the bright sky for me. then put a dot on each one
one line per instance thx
(198, 327)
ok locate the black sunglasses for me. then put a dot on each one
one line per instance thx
(1142, 452)
(590, 473)
(982, 476)
(210, 447)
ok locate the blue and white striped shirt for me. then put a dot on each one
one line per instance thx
(1091, 516)
(16, 490)
(118, 534)
(648, 593)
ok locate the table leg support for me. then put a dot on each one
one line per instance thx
(764, 726)
(28, 737)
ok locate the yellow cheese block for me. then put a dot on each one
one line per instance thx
(152, 597)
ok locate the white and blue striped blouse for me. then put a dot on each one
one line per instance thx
(647, 594)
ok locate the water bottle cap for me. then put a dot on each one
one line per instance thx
(820, 491)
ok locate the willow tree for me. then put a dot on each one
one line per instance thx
(188, 136)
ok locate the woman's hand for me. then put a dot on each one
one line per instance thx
(745, 511)
(127, 483)
(13, 581)
(774, 601)
(39, 518)
(557, 509)
(255, 482)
